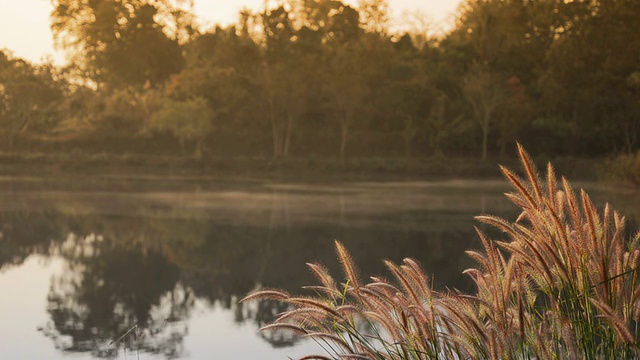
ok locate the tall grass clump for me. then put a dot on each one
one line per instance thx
(562, 284)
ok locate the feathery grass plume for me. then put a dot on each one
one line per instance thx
(319, 304)
(266, 294)
(348, 265)
(305, 316)
(407, 285)
(532, 173)
(414, 272)
(562, 285)
(322, 274)
(281, 326)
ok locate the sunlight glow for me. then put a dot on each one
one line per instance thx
(24, 24)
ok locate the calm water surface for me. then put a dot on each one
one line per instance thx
(85, 260)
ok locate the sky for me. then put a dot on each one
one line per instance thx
(24, 24)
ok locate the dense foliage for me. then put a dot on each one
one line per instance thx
(320, 78)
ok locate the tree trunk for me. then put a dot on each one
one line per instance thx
(287, 136)
(343, 140)
(346, 119)
(198, 153)
(575, 137)
(274, 134)
(274, 115)
(485, 137)
(408, 134)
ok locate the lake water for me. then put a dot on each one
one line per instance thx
(84, 261)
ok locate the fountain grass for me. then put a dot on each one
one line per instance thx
(563, 284)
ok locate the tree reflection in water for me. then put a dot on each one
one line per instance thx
(263, 312)
(109, 288)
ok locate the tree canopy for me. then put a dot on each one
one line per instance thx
(120, 42)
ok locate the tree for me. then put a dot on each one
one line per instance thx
(347, 62)
(515, 112)
(374, 15)
(485, 93)
(28, 97)
(277, 78)
(589, 69)
(440, 123)
(495, 41)
(419, 94)
(404, 94)
(223, 66)
(143, 53)
(121, 42)
(314, 14)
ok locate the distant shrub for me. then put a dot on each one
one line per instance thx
(623, 168)
(190, 121)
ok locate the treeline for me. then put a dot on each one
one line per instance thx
(320, 78)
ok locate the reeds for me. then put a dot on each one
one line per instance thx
(562, 285)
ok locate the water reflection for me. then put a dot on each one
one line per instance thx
(137, 263)
(111, 286)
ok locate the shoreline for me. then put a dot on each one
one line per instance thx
(284, 170)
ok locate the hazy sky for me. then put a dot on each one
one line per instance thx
(24, 24)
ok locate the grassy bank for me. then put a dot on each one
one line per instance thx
(294, 169)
